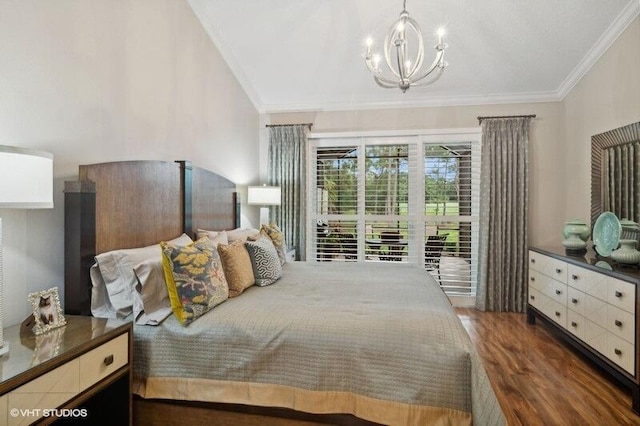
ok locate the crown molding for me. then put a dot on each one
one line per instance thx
(442, 101)
(628, 14)
(202, 12)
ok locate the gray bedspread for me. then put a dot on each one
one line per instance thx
(384, 331)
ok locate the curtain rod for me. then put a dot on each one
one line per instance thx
(294, 124)
(480, 118)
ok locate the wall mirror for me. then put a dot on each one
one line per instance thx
(615, 173)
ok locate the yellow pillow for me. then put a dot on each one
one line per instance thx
(237, 266)
(195, 279)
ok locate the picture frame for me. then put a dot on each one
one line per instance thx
(47, 311)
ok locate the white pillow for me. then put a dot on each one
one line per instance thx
(151, 303)
(118, 280)
(241, 234)
(216, 237)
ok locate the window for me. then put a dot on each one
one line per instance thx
(407, 198)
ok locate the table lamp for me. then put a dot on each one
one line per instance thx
(26, 182)
(264, 196)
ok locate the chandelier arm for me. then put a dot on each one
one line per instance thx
(437, 63)
(420, 54)
(381, 78)
(385, 83)
(387, 42)
(435, 77)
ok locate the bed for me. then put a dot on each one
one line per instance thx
(343, 343)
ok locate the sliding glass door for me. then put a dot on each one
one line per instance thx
(397, 199)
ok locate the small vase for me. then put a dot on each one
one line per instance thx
(576, 226)
(627, 253)
(574, 241)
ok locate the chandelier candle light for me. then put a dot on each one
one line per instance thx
(405, 72)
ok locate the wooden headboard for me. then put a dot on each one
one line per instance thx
(133, 204)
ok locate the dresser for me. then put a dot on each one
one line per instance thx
(593, 308)
(81, 371)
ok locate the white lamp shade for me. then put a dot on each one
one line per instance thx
(264, 195)
(26, 178)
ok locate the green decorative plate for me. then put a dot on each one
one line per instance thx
(606, 234)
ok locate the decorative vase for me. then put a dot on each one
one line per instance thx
(627, 253)
(630, 229)
(576, 226)
(574, 242)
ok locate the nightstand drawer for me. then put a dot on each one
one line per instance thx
(103, 360)
(45, 392)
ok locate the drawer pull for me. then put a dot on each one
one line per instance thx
(617, 351)
(574, 324)
(533, 261)
(108, 360)
(558, 270)
(557, 313)
(574, 300)
(618, 323)
(618, 294)
(532, 297)
(558, 292)
(532, 278)
(574, 277)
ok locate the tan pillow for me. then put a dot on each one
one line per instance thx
(237, 267)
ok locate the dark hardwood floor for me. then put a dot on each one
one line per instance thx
(539, 380)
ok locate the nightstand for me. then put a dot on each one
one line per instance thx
(81, 371)
(290, 255)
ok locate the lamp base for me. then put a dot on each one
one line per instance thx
(5, 348)
(264, 216)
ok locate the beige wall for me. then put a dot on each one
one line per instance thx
(103, 80)
(546, 163)
(606, 98)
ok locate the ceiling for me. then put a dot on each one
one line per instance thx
(298, 55)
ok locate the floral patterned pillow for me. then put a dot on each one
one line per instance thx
(277, 237)
(195, 279)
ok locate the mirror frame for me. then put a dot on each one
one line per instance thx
(600, 142)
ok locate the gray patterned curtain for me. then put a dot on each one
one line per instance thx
(620, 166)
(502, 272)
(287, 169)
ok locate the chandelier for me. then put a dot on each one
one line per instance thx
(405, 71)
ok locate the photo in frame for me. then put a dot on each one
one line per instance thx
(47, 311)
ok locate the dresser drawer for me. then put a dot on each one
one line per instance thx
(554, 289)
(557, 269)
(47, 391)
(557, 312)
(590, 282)
(536, 279)
(595, 336)
(104, 360)
(621, 323)
(576, 324)
(621, 352)
(575, 300)
(595, 310)
(622, 295)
